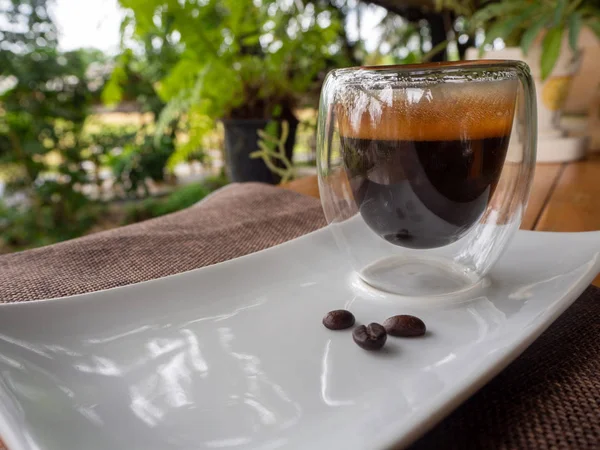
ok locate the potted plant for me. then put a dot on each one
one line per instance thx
(545, 35)
(242, 62)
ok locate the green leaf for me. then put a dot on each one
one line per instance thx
(530, 35)
(504, 28)
(551, 50)
(434, 51)
(253, 39)
(112, 93)
(558, 12)
(495, 10)
(181, 77)
(574, 29)
(594, 25)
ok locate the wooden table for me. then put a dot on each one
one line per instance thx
(564, 197)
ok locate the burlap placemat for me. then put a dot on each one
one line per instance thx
(549, 398)
(235, 221)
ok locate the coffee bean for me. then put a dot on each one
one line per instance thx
(370, 337)
(404, 326)
(339, 319)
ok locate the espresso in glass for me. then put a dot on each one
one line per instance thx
(422, 171)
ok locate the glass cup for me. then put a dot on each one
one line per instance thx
(425, 170)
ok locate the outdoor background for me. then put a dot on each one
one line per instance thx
(110, 110)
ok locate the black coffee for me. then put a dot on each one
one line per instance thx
(419, 193)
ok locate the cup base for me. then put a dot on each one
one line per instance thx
(419, 277)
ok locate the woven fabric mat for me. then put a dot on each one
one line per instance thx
(549, 398)
(234, 221)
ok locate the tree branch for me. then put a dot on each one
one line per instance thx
(409, 9)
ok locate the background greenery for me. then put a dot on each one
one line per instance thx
(90, 141)
(520, 22)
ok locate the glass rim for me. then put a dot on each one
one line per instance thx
(509, 66)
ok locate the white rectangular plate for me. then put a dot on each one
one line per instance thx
(235, 356)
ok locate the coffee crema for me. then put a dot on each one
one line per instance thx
(423, 163)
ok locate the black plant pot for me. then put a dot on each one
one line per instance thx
(241, 139)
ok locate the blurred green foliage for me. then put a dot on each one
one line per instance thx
(51, 158)
(136, 77)
(42, 113)
(239, 58)
(139, 161)
(521, 22)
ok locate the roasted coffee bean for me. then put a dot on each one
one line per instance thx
(404, 326)
(370, 337)
(339, 319)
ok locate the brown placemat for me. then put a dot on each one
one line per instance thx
(549, 398)
(235, 221)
